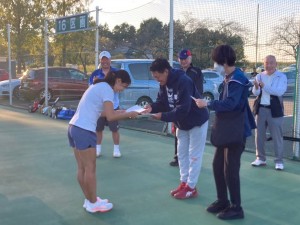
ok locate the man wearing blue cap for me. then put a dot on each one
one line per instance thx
(105, 68)
(185, 60)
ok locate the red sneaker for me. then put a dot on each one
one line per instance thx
(186, 192)
(179, 188)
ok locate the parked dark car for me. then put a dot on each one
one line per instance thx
(62, 82)
(3, 75)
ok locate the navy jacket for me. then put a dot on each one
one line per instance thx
(175, 102)
(236, 99)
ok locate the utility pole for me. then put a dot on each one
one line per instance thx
(9, 63)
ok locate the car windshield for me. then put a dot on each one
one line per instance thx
(140, 71)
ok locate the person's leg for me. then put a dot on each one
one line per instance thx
(80, 171)
(219, 175)
(175, 149)
(260, 133)
(99, 137)
(197, 137)
(93, 204)
(114, 128)
(232, 169)
(232, 172)
(101, 122)
(84, 142)
(197, 140)
(183, 160)
(175, 160)
(222, 201)
(275, 127)
(116, 137)
(183, 154)
(88, 161)
(80, 177)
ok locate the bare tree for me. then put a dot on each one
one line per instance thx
(191, 23)
(233, 28)
(286, 36)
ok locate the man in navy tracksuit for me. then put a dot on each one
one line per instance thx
(175, 104)
(195, 73)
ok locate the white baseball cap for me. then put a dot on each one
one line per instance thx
(104, 54)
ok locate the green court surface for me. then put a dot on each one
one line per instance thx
(38, 180)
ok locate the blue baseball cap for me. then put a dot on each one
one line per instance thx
(185, 53)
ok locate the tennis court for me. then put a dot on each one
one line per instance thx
(38, 180)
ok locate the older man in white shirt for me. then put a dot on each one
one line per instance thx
(271, 84)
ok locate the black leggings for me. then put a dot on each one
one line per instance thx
(226, 168)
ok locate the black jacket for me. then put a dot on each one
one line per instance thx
(196, 75)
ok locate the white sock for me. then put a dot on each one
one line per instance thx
(98, 149)
(116, 148)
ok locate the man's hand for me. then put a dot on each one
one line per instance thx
(256, 84)
(147, 108)
(156, 116)
(261, 84)
(132, 115)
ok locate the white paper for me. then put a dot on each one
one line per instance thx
(193, 98)
(135, 108)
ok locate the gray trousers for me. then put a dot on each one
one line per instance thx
(264, 119)
(191, 145)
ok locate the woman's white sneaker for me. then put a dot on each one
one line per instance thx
(98, 206)
(98, 199)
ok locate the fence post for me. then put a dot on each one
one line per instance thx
(97, 39)
(46, 61)
(297, 108)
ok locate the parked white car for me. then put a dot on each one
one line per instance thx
(4, 87)
(213, 76)
(290, 68)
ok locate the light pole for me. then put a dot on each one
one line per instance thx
(256, 45)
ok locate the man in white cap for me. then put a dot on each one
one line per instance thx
(105, 61)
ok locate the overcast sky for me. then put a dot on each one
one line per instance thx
(271, 12)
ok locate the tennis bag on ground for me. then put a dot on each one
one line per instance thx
(65, 114)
